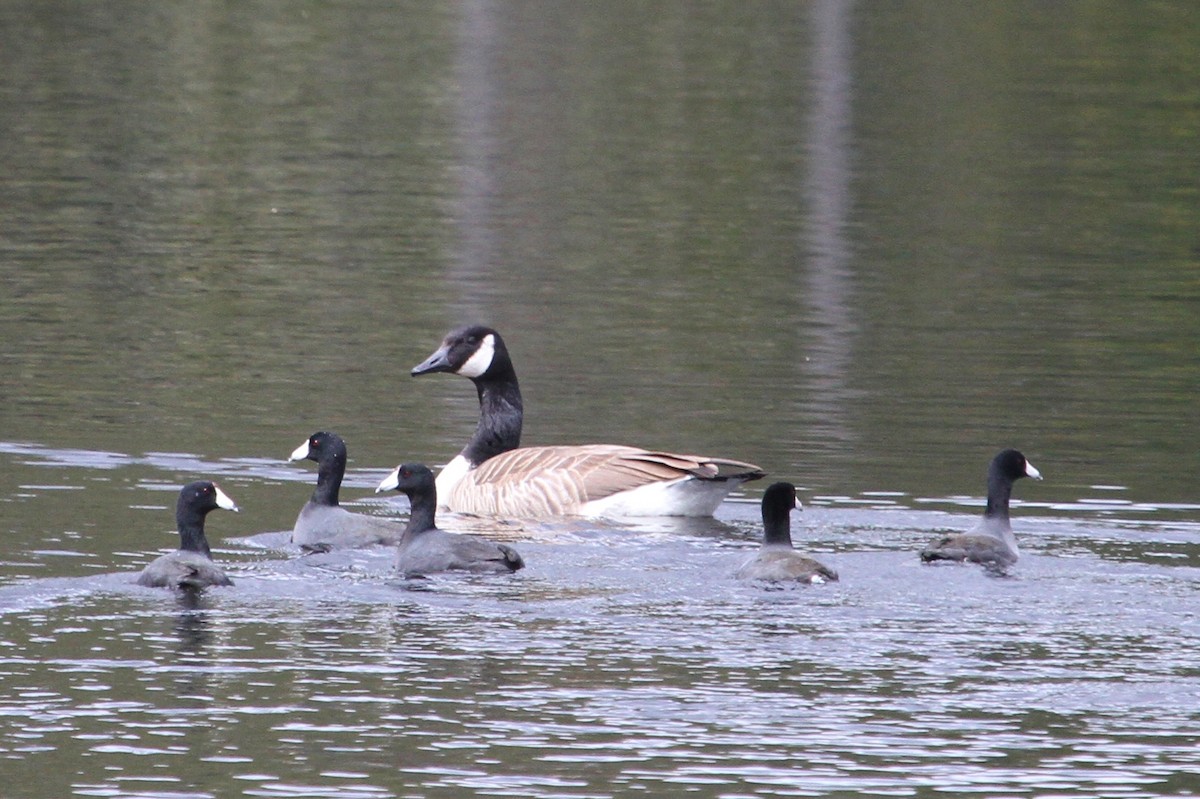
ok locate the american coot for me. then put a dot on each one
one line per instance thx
(777, 560)
(322, 523)
(494, 476)
(991, 542)
(191, 566)
(424, 549)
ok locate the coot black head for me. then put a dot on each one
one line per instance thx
(410, 478)
(778, 502)
(321, 445)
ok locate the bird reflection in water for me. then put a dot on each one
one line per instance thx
(192, 623)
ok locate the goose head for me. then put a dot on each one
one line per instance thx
(473, 351)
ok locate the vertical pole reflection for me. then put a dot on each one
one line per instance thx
(478, 101)
(827, 192)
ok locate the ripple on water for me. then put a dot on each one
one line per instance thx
(626, 659)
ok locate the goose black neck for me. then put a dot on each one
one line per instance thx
(777, 524)
(190, 523)
(330, 470)
(999, 492)
(501, 414)
(422, 509)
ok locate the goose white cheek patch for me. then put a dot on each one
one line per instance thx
(479, 362)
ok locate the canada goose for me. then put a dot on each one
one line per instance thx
(424, 549)
(494, 476)
(191, 566)
(777, 560)
(991, 542)
(322, 523)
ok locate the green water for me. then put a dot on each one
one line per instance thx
(862, 245)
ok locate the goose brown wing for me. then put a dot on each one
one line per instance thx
(710, 468)
(559, 480)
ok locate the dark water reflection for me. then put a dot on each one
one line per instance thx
(863, 245)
